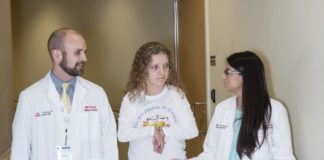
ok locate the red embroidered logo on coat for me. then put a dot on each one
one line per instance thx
(44, 113)
(37, 114)
(90, 108)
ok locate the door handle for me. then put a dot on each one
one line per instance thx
(213, 95)
(195, 105)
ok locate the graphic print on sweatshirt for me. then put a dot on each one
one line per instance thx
(159, 116)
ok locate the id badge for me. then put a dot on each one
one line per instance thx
(64, 153)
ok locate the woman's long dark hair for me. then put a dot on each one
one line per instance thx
(255, 101)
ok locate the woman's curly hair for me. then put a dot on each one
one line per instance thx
(136, 84)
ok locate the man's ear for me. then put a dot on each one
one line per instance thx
(57, 55)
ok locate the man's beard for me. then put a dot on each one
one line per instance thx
(72, 71)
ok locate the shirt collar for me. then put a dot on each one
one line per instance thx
(58, 83)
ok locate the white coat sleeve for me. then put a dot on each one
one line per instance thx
(209, 145)
(281, 136)
(185, 127)
(126, 131)
(108, 129)
(21, 130)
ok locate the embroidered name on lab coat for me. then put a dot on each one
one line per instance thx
(221, 126)
(90, 108)
(44, 113)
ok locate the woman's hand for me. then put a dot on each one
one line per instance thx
(158, 140)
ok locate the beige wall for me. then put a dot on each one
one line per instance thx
(114, 30)
(6, 98)
(289, 36)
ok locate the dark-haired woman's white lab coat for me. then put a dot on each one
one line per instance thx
(277, 145)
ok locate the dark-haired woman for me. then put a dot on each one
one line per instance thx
(248, 125)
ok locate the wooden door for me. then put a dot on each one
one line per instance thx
(192, 65)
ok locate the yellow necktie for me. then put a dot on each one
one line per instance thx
(65, 97)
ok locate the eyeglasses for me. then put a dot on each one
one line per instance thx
(229, 71)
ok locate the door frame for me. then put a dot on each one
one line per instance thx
(207, 55)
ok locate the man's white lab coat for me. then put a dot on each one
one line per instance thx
(40, 123)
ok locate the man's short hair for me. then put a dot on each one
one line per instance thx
(56, 39)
